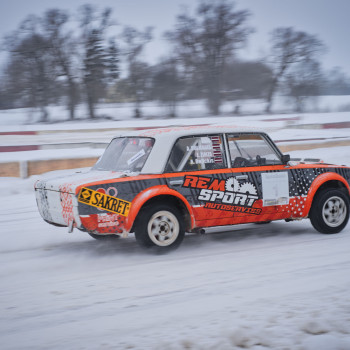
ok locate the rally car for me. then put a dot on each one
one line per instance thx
(164, 182)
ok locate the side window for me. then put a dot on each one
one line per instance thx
(197, 153)
(251, 150)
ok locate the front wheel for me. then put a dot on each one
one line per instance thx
(159, 226)
(330, 211)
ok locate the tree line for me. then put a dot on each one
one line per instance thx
(73, 58)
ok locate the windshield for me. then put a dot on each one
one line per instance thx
(125, 154)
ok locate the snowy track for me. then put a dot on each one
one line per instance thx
(276, 286)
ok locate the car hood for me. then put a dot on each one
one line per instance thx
(68, 183)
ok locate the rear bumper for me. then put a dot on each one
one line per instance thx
(57, 207)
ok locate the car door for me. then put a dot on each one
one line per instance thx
(260, 180)
(197, 168)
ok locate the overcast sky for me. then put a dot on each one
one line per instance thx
(329, 19)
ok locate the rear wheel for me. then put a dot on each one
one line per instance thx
(160, 226)
(330, 211)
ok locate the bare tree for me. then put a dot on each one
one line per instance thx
(112, 62)
(206, 43)
(62, 45)
(138, 71)
(7, 97)
(167, 84)
(246, 79)
(289, 47)
(336, 82)
(100, 63)
(304, 82)
(30, 69)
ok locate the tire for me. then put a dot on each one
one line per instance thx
(330, 211)
(160, 227)
(103, 237)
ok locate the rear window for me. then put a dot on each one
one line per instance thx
(125, 154)
(197, 153)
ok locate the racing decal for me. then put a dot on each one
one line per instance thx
(216, 142)
(103, 223)
(275, 188)
(224, 194)
(66, 203)
(110, 191)
(205, 150)
(125, 190)
(103, 201)
(233, 208)
(136, 157)
(108, 220)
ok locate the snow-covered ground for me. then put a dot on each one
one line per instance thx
(276, 286)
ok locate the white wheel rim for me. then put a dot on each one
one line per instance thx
(163, 228)
(334, 211)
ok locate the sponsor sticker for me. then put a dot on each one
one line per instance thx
(136, 157)
(104, 201)
(107, 220)
(228, 195)
(275, 188)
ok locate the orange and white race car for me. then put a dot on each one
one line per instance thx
(164, 182)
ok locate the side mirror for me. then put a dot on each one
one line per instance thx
(285, 158)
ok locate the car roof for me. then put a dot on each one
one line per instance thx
(175, 132)
(166, 137)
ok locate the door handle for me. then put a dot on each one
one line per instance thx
(176, 182)
(242, 177)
